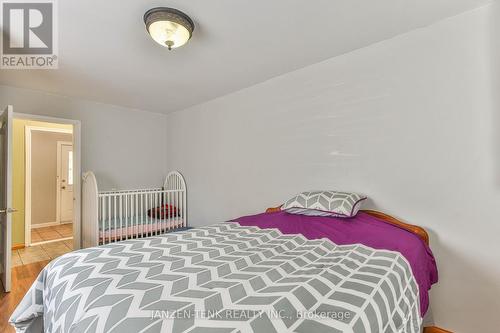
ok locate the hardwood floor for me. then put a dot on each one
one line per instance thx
(22, 278)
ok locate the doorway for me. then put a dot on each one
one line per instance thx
(64, 182)
(19, 200)
(49, 187)
(46, 161)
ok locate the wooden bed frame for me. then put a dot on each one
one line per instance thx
(414, 229)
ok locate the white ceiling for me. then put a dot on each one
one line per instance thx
(107, 56)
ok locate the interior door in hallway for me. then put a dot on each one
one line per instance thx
(65, 181)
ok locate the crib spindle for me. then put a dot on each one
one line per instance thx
(150, 206)
(156, 217)
(137, 212)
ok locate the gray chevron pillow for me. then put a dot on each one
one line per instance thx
(325, 203)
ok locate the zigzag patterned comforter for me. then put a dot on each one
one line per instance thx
(223, 278)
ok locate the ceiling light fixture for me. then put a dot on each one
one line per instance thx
(168, 27)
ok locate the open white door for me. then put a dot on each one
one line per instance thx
(65, 181)
(6, 196)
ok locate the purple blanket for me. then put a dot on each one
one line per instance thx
(363, 229)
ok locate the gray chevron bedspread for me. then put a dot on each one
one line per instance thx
(223, 278)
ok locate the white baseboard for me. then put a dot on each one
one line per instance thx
(43, 225)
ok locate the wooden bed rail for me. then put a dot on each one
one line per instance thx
(415, 229)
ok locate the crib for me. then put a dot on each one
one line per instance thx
(111, 216)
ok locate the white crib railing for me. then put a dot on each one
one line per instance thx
(112, 216)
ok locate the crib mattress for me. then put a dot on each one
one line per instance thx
(126, 227)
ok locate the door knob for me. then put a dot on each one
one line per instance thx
(63, 187)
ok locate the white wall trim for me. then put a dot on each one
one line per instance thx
(43, 225)
(58, 179)
(76, 173)
(50, 129)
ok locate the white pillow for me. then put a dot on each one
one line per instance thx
(325, 203)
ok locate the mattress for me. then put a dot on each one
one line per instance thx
(223, 278)
(136, 225)
(363, 229)
(122, 222)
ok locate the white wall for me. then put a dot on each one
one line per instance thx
(412, 122)
(124, 147)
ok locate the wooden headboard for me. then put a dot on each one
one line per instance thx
(415, 229)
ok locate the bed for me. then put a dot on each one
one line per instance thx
(111, 216)
(270, 272)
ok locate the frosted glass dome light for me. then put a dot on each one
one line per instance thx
(168, 27)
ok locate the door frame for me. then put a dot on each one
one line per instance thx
(27, 176)
(58, 192)
(76, 174)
